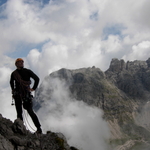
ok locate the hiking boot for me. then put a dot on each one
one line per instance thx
(39, 131)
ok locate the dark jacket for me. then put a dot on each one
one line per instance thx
(25, 74)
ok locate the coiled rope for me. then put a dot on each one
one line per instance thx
(27, 124)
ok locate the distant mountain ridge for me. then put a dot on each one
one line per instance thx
(122, 92)
(133, 78)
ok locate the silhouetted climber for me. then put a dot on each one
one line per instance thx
(21, 91)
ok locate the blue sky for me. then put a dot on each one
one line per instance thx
(3, 1)
(115, 30)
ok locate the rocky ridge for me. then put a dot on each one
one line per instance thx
(122, 92)
(15, 136)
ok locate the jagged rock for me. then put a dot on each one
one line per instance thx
(136, 65)
(135, 74)
(15, 136)
(5, 127)
(18, 127)
(148, 62)
(5, 144)
(15, 140)
(117, 65)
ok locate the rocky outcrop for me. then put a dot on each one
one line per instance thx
(14, 136)
(133, 79)
(117, 65)
(121, 92)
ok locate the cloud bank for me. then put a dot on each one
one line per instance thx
(81, 124)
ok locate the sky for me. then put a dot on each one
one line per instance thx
(54, 34)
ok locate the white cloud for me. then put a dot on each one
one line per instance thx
(112, 45)
(69, 23)
(139, 51)
(6, 108)
(4, 75)
(81, 124)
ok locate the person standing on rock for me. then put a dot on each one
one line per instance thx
(21, 91)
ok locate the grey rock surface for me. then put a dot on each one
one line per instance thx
(121, 92)
(14, 136)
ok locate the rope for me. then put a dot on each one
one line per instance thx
(27, 124)
(25, 118)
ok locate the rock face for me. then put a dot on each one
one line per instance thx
(133, 78)
(14, 136)
(122, 92)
